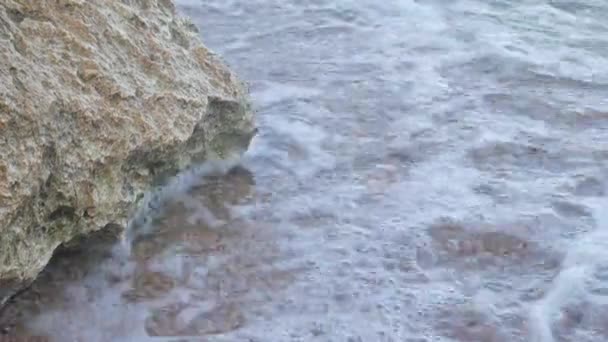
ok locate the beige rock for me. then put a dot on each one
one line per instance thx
(98, 101)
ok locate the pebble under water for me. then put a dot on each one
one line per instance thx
(424, 171)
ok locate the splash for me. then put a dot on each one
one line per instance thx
(584, 258)
(155, 202)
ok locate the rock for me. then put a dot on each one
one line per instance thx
(99, 101)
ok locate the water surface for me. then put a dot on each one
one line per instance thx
(424, 171)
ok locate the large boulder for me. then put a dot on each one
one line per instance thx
(99, 101)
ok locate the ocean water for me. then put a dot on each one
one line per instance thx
(424, 171)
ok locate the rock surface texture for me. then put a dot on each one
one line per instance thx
(99, 100)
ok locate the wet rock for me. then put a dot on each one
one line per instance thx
(499, 155)
(99, 100)
(462, 324)
(478, 247)
(173, 320)
(149, 285)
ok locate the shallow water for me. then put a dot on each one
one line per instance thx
(424, 171)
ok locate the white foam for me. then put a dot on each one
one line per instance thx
(277, 92)
(583, 256)
(174, 191)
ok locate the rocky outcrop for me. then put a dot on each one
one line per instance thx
(100, 100)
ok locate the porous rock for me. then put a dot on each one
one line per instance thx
(99, 101)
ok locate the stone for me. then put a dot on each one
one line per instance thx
(99, 102)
